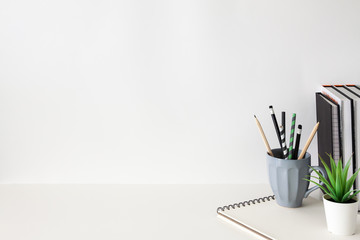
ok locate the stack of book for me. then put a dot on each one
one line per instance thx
(338, 111)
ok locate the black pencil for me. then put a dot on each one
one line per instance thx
(297, 143)
(275, 124)
(283, 123)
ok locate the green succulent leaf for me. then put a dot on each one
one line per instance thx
(328, 171)
(351, 180)
(346, 196)
(353, 195)
(338, 185)
(322, 178)
(329, 187)
(320, 186)
(346, 169)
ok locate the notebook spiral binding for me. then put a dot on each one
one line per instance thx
(246, 203)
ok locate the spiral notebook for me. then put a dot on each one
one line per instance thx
(267, 220)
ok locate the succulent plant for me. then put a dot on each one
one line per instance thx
(338, 187)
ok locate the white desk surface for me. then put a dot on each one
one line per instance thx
(108, 212)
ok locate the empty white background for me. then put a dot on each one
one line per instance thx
(162, 91)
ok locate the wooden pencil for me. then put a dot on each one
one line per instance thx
(309, 141)
(263, 137)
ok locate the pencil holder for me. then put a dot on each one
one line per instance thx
(287, 178)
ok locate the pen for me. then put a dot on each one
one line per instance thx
(275, 124)
(297, 142)
(283, 143)
(292, 133)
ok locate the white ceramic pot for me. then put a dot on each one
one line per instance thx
(340, 217)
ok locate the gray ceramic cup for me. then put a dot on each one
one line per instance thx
(287, 178)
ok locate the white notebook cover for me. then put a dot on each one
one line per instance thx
(357, 130)
(268, 220)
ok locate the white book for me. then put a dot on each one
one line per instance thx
(354, 93)
(336, 133)
(345, 121)
(356, 118)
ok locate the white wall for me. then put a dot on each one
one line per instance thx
(162, 91)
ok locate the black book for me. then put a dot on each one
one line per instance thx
(328, 134)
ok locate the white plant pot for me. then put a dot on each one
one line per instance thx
(340, 217)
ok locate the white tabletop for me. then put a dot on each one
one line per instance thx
(120, 211)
